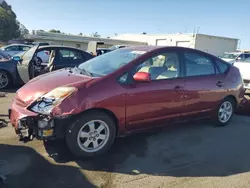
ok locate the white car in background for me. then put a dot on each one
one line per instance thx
(244, 67)
(14, 49)
(232, 57)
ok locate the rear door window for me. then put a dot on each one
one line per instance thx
(70, 55)
(198, 64)
(223, 67)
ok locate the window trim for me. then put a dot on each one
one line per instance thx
(218, 67)
(201, 54)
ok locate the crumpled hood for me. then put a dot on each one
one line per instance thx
(47, 82)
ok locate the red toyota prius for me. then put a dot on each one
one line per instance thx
(126, 91)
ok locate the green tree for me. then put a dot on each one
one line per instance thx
(24, 32)
(54, 31)
(80, 34)
(9, 27)
(95, 34)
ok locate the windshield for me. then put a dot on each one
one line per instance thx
(247, 60)
(4, 55)
(109, 62)
(230, 56)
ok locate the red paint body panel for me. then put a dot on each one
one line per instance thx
(136, 106)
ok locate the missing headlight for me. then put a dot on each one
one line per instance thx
(45, 124)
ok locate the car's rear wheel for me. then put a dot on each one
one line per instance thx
(91, 135)
(225, 112)
(5, 79)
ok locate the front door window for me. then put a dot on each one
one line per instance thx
(162, 66)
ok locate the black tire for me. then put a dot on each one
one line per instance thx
(218, 122)
(9, 80)
(75, 127)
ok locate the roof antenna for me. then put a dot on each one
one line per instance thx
(194, 32)
(198, 30)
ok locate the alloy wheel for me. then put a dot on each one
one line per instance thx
(93, 136)
(4, 80)
(225, 111)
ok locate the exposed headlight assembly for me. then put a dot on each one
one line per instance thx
(47, 102)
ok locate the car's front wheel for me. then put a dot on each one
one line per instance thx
(4, 80)
(225, 112)
(90, 135)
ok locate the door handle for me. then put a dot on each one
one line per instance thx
(220, 84)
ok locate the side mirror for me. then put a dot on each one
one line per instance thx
(142, 77)
(16, 58)
(238, 58)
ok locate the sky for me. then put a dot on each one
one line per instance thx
(228, 18)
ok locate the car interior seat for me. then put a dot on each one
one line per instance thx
(162, 70)
(50, 65)
(170, 68)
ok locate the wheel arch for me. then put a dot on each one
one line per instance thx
(232, 98)
(106, 111)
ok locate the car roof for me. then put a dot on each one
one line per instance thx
(17, 45)
(152, 48)
(103, 49)
(59, 46)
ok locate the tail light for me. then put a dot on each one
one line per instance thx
(47, 52)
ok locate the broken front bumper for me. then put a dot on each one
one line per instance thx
(30, 124)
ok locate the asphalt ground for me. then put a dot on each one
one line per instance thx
(194, 154)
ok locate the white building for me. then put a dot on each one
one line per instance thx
(77, 40)
(212, 44)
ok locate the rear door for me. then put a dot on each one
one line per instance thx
(204, 84)
(66, 57)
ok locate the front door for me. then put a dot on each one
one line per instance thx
(25, 67)
(154, 103)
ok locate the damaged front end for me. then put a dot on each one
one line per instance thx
(42, 127)
(43, 124)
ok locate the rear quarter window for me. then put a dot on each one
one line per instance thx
(223, 67)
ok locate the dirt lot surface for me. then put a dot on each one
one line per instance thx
(196, 155)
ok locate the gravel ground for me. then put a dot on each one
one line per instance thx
(187, 155)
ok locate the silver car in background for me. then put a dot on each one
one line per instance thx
(14, 49)
(4, 55)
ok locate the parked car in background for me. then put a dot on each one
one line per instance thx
(244, 67)
(115, 47)
(19, 49)
(232, 57)
(20, 69)
(4, 55)
(101, 51)
(59, 57)
(14, 49)
(123, 92)
(41, 43)
(8, 72)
